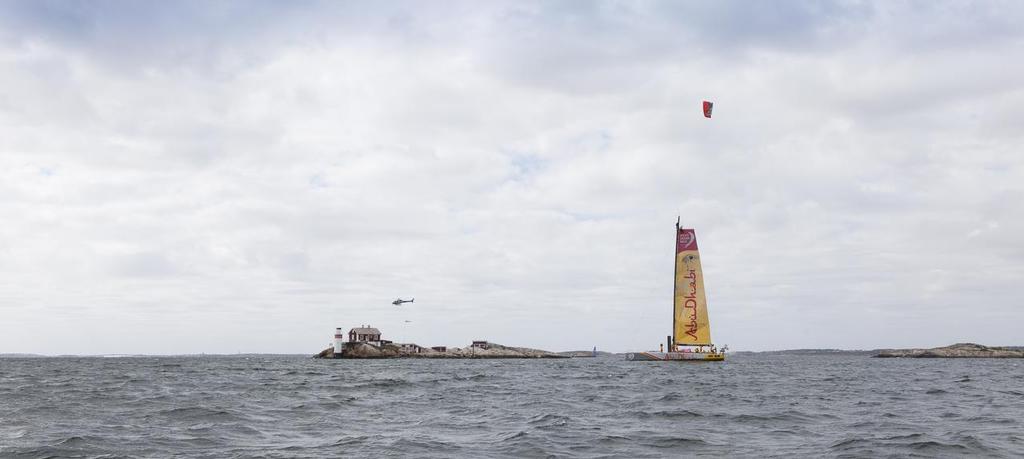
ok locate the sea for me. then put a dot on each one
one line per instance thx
(752, 405)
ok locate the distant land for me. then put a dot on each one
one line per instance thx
(135, 356)
(585, 353)
(478, 350)
(812, 352)
(957, 351)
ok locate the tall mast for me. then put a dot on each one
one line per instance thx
(675, 281)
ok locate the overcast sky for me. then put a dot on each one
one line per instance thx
(220, 177)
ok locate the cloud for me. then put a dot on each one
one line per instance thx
(143, 265)
(213, 172)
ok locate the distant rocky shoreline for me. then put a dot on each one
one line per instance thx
(584, 354)
(362, 350)
(956, 351)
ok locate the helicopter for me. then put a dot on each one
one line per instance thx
(399, 301)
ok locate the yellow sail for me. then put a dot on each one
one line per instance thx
(690, 312)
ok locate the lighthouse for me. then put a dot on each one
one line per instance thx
(339, 341)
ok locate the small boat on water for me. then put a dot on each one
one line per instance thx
(691, 331)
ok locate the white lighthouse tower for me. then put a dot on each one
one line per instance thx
(339, 341)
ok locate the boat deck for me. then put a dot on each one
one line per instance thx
(681, 356)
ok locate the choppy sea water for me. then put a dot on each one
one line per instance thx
(294, 406)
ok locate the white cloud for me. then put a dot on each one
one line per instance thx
(199, 178)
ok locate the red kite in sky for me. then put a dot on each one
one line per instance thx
(707, 109)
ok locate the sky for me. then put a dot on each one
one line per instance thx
(229, 176)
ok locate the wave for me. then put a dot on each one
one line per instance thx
(74, 441)
(383, 383)
(917, 442)
(548, 420)
(351, 440)
(197, 414)
(675, 442)
(304, 373)
(668, 414)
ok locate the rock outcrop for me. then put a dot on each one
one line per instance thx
(959, 350)
(392, 351)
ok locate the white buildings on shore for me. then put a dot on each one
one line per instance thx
(365, 334)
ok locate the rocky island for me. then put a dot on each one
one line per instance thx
(359, 350)
(959, 350)
(366, 342)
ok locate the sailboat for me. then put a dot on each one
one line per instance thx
(691, 331)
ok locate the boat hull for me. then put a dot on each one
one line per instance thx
(675, 356)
